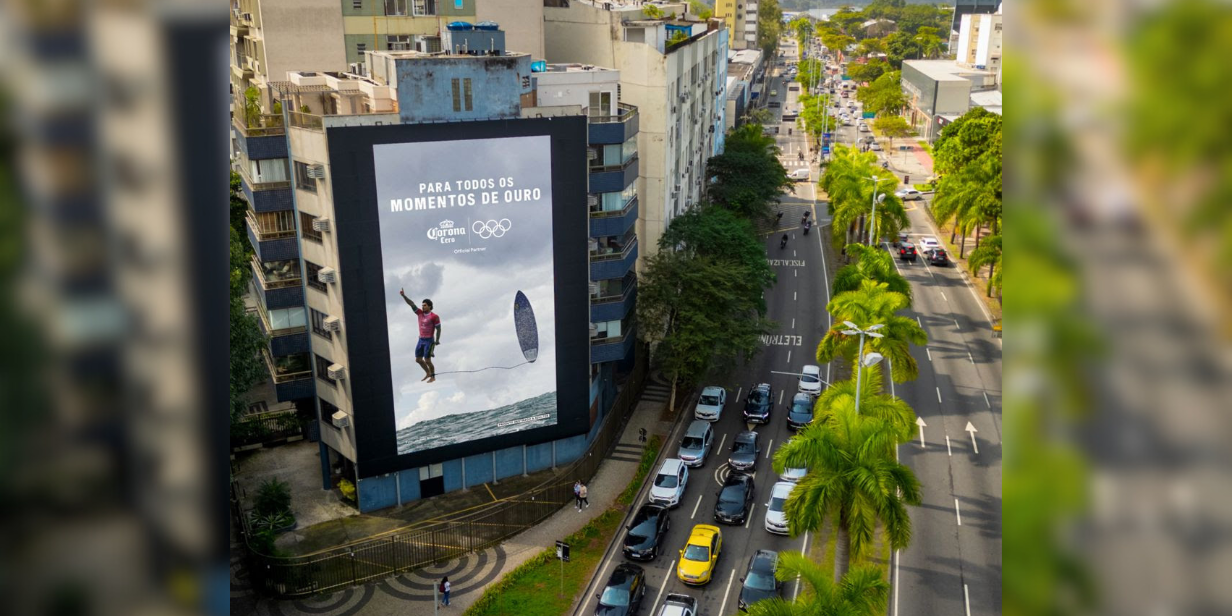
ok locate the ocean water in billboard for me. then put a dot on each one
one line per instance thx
(466, 246)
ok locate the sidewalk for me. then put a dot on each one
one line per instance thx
(411, 593)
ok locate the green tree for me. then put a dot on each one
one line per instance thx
(761, 117)
(989, 253)
(652, 12)
(247, 367)
(874, 303)
(747, 183)
(892, 126)
(862, 592)
(970, 199)
(966, 139)
(874, 402)
(701, 9)
(901, 46)
(252, 106)
(848, 184)
(853, 481)
(239, 206)
(930, 43)
(870, 46)
(884, 95)
(769, 27)
(751, 139)
(701, 301)
(802, 28)
(848, 21)
(870, 263)
(869, 71)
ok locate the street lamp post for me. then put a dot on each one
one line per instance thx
(861, 361)
(872, 221)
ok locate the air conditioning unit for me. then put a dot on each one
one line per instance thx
(316, 171)
(594, 288)
(327, 275)
(592, 200)
(336, 372)
(332, 324)
(340, 420)
(321, 225)
(592, 154)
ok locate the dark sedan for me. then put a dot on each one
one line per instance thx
(624, 591)
(759, 582)
(800, 413)
(735, 499)
(906, 251)
(744, 449)
(938, 257)
(757, 404)
(647, 532)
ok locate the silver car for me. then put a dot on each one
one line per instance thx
(695, 445)
(710, 404)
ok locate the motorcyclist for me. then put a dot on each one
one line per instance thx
(807, 225)
(783, 242)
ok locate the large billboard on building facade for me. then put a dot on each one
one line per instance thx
(463, 271)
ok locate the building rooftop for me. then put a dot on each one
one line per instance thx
(574, 67)
(744, 56)
(988, 99)
(945, 70)
(398, 55)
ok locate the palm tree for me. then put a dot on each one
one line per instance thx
(969, 198)
(873, 403)
(862, 592)
(850, 192)
(853, 481)
(874, 303)
(989, 253)
(751, 138)
(870, 263)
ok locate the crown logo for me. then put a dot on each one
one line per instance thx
(446, 224)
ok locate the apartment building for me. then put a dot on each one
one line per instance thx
(741, 19)
(979, 41)
(272, 37)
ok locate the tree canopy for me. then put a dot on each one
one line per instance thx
(747, 183)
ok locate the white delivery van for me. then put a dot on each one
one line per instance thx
(799, 175)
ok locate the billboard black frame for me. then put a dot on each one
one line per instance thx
(361, 274)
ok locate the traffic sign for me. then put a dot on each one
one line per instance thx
(827, 135)
(562, 551)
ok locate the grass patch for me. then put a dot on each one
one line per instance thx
(534, 587)
(924, 146)
(922, 187)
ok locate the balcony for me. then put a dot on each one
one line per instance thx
(614, 129)
(614, 178)
(614, 264)
(279, 245)
(264, 138)
(616, 222)
(618, 306)
(281, 292)
(292, 375)
(266, 196)
(613, 349)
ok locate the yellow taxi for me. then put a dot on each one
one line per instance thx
(700, 553)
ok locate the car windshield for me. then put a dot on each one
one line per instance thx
(731, 494)
(691, 442)
(758, 396)
(776, 504)
(809, 378)
(615, 596)
(645, 528)
(665, 481)
(697, 552)
(743, 446)
(802, 409)
(759, 581)
(709, 400)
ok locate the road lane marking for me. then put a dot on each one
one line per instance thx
(793, 252)
(921, 323)
(795, 273)
(768, 446)
(803, 550)
(930, 353)
(956, 513)
(897, 581)
(970, 357)
(739, 391)
(947, 446)
(794, 296)
(721, 441)
(793, 322)
(732, 578)
(986, 402)
(662, 588)
(601, 569)
(699, 504)
(943, 296)
(956, 325)
(789, 363)
(749, 520)
(967, 600)
(781, 390)
(938, 395)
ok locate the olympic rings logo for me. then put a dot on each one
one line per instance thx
(491, 228)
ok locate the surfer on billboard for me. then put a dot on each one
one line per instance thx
(429, 324)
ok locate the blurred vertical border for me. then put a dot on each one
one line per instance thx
(113, 291)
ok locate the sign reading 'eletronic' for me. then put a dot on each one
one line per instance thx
(466, 246)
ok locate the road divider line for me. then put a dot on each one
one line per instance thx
(938, 395)
(721, 441)
(699, 504)
(749, 520)
(930, 353)
(739, 391)
(897, 580)
(781, 391)
(789, 362)
(956, 325)
(967, 600)
(803, 550)
(793, 322)
(943, 297)
(986, 402)
(956, 512)
(768, 448)
(970, 357)
(730, 579)
(921, 323)
(794, 296)
(947, 446)
(662, 588)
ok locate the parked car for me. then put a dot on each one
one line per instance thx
(700, 554)
(938, 257)
(906, 251)
(757, 404)
(647, 532)
(695, 445)
(675, 604)
(800, 413)
(908, 194)
(735, 499)
(710, 404)
(759, 583)
(929, 242)
(776, 520)
(744, 449)
(810, 380)
(792, 475)
(669, 483)
(624, 591)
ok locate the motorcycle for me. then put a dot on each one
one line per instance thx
(808, 225)
(783, 242)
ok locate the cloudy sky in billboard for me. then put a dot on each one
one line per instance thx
(467, 224)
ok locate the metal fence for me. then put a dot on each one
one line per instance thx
(265, 428)
(433, 542)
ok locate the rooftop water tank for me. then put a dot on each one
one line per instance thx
(460, 26)
(487, 25)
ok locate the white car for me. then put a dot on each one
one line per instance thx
(810, 380)
(864, 128)
(793, 475)
(669, 483)
(710, 404)
(928, 243)
(776, 520)
(799, 175)
(876, 147)
(908, 194)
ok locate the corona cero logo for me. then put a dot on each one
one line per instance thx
(491, 228)
(445, 232)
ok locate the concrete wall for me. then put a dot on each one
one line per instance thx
(953, 97)
(522, 21)
(556, 88)
(425, 91)
(301, 35)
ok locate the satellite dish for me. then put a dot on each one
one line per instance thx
(524, 323)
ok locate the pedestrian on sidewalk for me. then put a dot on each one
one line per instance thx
(582, 492)
(577, 495)
(445, 591)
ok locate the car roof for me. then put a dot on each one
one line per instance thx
(623, 570)
(810, 368)
(737, 478)
(801, 397)
(671, 466)
(713, 389)
(762, 386)
(698, 427)
(763, 561)
(746, 435)
(781, 489)
(906, 244)
(704, 532)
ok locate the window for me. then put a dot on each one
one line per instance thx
(430, 471)
(425, 7)
(395, 7)
(302, 181)
(360, 48)
(327, 412)
(318, 324)
(615, 201)
(357, 4)
(461, 94)
(628, 150)
(457, 94)
(323, 370)
(285, 318)
(305, 223)
(600, 104)
(427, 44)
(274, 225)
(311, 270)
(466, 93)
(398, 42)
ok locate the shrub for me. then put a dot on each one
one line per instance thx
(273, 497)
(347, 488)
